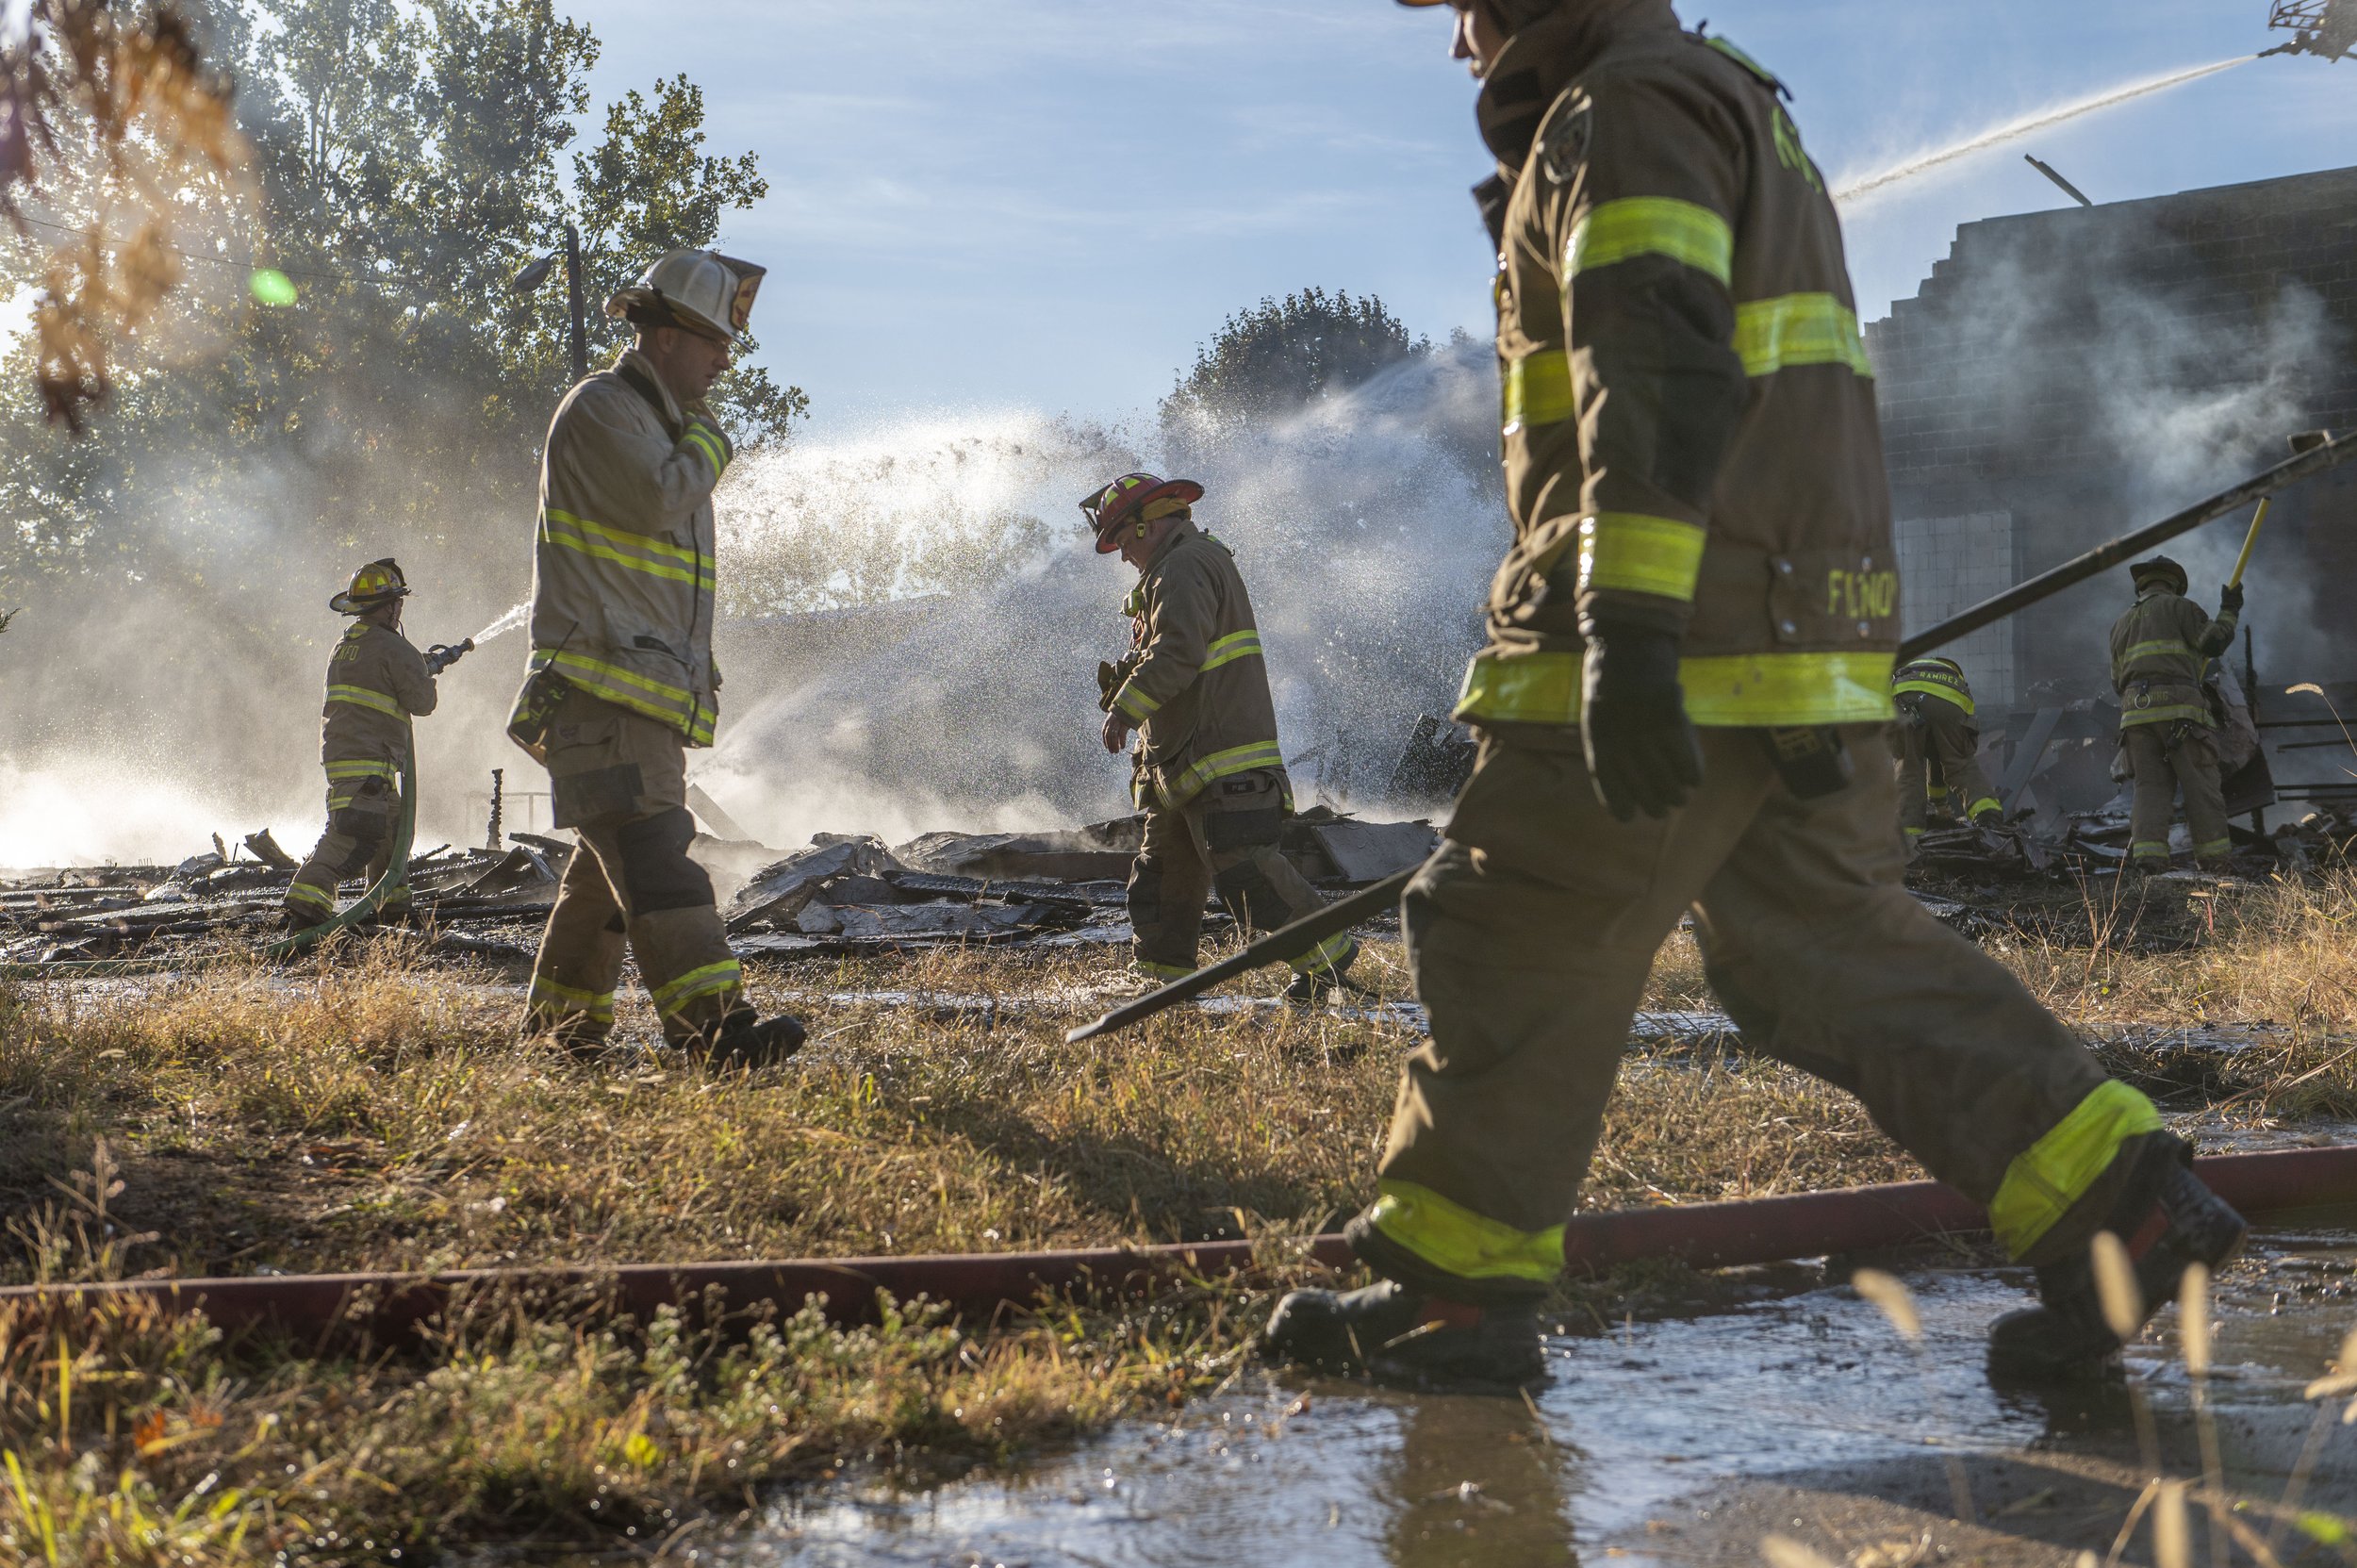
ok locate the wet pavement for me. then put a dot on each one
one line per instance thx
(1666, 1442)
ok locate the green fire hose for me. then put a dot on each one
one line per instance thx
(395, 877)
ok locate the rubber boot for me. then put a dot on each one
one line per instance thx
(1399, 1335)
(746, 1039)
(1314, 987)
(2169, 1221)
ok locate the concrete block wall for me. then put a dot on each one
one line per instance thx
(1952, 563)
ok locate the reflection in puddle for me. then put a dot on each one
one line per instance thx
(1346, 1476)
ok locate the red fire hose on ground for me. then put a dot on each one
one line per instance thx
(2277, 1186)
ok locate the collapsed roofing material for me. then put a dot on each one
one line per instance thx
(845, 894)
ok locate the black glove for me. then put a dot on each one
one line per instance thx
(1642, 752)
(2230, 598)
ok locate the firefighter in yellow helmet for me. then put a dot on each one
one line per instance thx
(1682, 706)
(1939, 745)
(1208, 772)
(377, 682)
(2159, 649)
(621, 680)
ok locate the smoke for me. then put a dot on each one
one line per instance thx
(2094, 371)
(1364, 539)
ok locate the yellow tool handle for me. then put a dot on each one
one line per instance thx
(2247, 541)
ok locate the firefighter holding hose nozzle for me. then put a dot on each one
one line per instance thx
(377, 682)
(1682, 706)
(622, 681)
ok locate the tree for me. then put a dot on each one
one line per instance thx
(407, 159)
(1280, 357)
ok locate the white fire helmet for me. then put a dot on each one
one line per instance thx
(705, 290)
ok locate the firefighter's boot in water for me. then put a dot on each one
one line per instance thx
(2168, 1221)
(1400, 1335)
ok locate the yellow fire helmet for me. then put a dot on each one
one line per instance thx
(703, 290)
(378, 582)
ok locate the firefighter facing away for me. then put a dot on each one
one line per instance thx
(1208, 772)
(2158, 650)
(1939, 744)
(621, 680)
(1682, 706)
(377, 682)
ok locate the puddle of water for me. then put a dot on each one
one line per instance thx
(1632, 1420)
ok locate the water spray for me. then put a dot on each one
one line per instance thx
(2014, 129)
(508, 620)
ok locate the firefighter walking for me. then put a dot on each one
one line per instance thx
(622, 682)
(377, 682)
(1208, 772)
(2159, 649)
(1683, 706)
(1940, 747)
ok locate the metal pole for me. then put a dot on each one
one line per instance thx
(572, 291)
(2103, 557)
(2250, 701)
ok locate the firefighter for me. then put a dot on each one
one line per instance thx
(1683, 706)
(377, 682)
(1207, 771)
(2159, 649)
(1939, 744)
(621, 679)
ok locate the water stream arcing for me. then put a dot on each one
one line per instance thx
(2014, 129)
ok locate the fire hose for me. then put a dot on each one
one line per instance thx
(2308, 460)
(2317, 1183)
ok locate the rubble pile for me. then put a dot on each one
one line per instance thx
(844, 893)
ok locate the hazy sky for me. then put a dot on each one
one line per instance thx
(1048, 203)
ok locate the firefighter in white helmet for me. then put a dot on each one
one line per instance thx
(622, 680)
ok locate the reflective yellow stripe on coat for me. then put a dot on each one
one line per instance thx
(1218, 766)
(621, 547)
(1727, 690)
(674, 705)
(362, 697)
(1630, 552)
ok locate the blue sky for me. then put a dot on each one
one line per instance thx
(1047, 203)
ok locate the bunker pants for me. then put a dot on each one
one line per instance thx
(1939, 768)
(358, 842)
(1531, 932)
(620, 780)
(2166, 758)
(1225, 839)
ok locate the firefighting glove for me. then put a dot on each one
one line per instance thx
(1641, 748)
(2229, 599)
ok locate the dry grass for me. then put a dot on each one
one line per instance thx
(366, 1112)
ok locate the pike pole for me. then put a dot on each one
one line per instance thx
(2250, 540)
(1347, 911)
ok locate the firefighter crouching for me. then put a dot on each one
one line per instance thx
(377, 682)
(622, 681)
(1209, 775)
(2158, 652)
(1939, 745)
(1683, 704)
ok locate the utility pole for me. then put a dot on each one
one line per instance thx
(572, 290)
